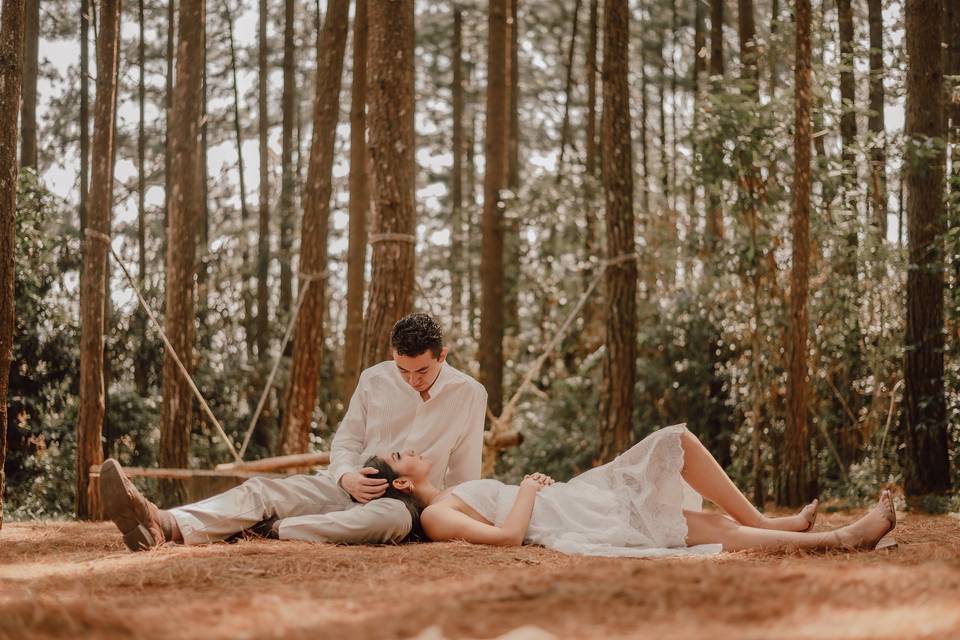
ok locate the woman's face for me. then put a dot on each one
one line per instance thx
(407, 464)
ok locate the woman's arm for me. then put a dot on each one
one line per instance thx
(443, 523)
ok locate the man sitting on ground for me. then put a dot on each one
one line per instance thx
(414, 401)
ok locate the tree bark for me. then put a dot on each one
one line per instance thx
(492, 224)
(591, 128)
(391, 100)
(287, 169)
(797, 481)
(750, 74)
(457, 256)
(847, 435)
(245, 269)
(511, 246)
(168, 107)
(263, 235)
(141, 357)
(28, 107)
(714, 224)
(185, 208)
(619, 362)
(84, 110)
(11, 68)
(568, 90)
(359, 203)
(877, 187)
(308, 339)
(928, 466)
(93, 283)
(951, 61)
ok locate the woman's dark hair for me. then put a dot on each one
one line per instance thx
(385, 471)
(416, 333)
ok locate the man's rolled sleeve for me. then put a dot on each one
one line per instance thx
(347, 443)
(465, 459)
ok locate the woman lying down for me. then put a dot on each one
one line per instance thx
(646, 502)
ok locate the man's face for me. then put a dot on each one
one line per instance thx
(419, 371)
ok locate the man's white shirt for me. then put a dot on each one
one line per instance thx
(386, 415)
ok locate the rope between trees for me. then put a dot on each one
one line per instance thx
(97, 235)
(501, 423)
(301, 296)
(392, 237)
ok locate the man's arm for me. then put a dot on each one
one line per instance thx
(347, 445)
(465, 459)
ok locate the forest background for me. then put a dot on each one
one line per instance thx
(516, 214)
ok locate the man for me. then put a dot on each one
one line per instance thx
(415, 401)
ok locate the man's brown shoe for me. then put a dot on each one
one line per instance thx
(142, 524)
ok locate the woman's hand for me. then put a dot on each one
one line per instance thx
(536, 481)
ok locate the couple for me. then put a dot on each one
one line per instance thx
(416, 425)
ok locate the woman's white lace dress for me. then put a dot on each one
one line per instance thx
(631, 506)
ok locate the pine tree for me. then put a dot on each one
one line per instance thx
(619, 363)
(93, 289)
(308, 339)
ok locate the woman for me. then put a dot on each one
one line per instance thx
(645, 502)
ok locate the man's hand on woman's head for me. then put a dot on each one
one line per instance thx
(363, 488)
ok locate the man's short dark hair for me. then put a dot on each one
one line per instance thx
(416, 333)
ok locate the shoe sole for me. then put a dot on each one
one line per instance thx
(115, 497)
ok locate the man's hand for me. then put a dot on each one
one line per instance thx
(362, 488)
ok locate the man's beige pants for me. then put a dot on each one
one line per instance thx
(309, 507)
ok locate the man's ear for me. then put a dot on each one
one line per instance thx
(443, 354)
(403, 484)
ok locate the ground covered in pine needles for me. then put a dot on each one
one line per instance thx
(72, 580)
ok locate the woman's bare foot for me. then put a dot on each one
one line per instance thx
(802, 521)
(866, 532)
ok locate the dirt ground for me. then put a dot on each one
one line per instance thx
(73, 580)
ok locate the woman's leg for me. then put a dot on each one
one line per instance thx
(707, 477)
(710, 528)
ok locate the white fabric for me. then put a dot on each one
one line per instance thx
(310, 507)
(386, 414)
(632, 506)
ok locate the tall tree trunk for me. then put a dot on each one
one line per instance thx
(141, 357)
(591, 64)
(456, 264)
(714, 224)
(263, 235)
(797, 481)
(619, 361)
(28, 107)
(772, 54)
(203, 223)
(697, 69)
(168, 107)
(246, 286)
(93, 283)
(928, 465)
(568, 90)
(359, 203)
(751, 181)
(877, 187)
(951, 52)
(287, 169)
(848, 442)
(185, 208)
(11, 63)
(492, 224)
(391, 105)
(473, 248)
(84, 110)
(512, 150)
(308, 339)
(592, 336)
